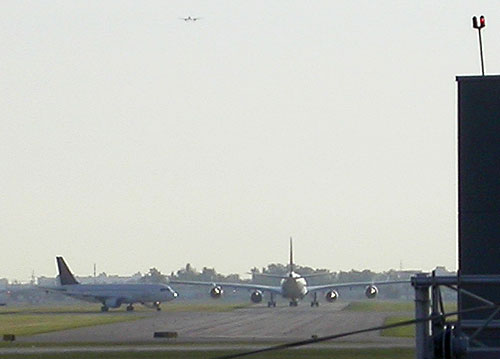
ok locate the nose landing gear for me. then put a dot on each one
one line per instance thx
(315, 302)
(271, 302)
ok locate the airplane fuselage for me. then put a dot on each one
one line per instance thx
(294, 287)
(121, 293)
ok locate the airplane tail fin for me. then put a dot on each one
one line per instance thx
(65, 275)
(291, 256)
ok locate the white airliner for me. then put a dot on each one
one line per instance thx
(112, 295)
(293, 287)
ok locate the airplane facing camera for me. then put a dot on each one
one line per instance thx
(293, 286)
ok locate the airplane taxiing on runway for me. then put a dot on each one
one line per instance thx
(112, 295)
(293, 287)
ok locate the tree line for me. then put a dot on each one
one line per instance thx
(189, 273)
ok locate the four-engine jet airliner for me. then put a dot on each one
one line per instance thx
(112, 295)
(293, 287)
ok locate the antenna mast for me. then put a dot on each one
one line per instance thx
(479, 26)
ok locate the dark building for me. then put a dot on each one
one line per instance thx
(479, 195)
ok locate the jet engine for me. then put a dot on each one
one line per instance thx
(112, 303)
(331, 296)
(216, 292)
(256, 296)
(371, 291)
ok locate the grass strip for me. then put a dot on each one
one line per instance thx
(396, 353)
(407, 331)
(386, 306)
(30, 324)
(96, 308)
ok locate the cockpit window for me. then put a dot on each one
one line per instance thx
(164, 289)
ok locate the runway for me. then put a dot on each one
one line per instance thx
(255, 324)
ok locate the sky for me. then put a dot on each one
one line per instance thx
(132, 139)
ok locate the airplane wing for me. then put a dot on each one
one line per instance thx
(263, 288)
(315, 288)
(284, 276)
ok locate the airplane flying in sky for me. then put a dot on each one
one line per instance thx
(189, 18)
(293, 287)
(112, 295)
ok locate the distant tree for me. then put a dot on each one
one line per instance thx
(276, 268)
(186, 273)
(254, 271)
(304, 270)
(154, 276)
(208, 274)
(356, 276)
(232, 278)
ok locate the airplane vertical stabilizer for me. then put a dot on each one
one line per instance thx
(65, 275)
(291, 256)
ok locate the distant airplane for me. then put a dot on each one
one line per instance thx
(293, 286)
(189, 18)
(112, 295)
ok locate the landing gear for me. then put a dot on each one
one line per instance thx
(293, 303)
(271, 302)
(104, 308)
(315, 302)
(130, 308)
(157, 306)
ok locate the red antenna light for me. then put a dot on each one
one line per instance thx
(481, 24)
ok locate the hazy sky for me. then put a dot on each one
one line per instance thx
(131, 139)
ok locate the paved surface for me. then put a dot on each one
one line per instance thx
(255, 324)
